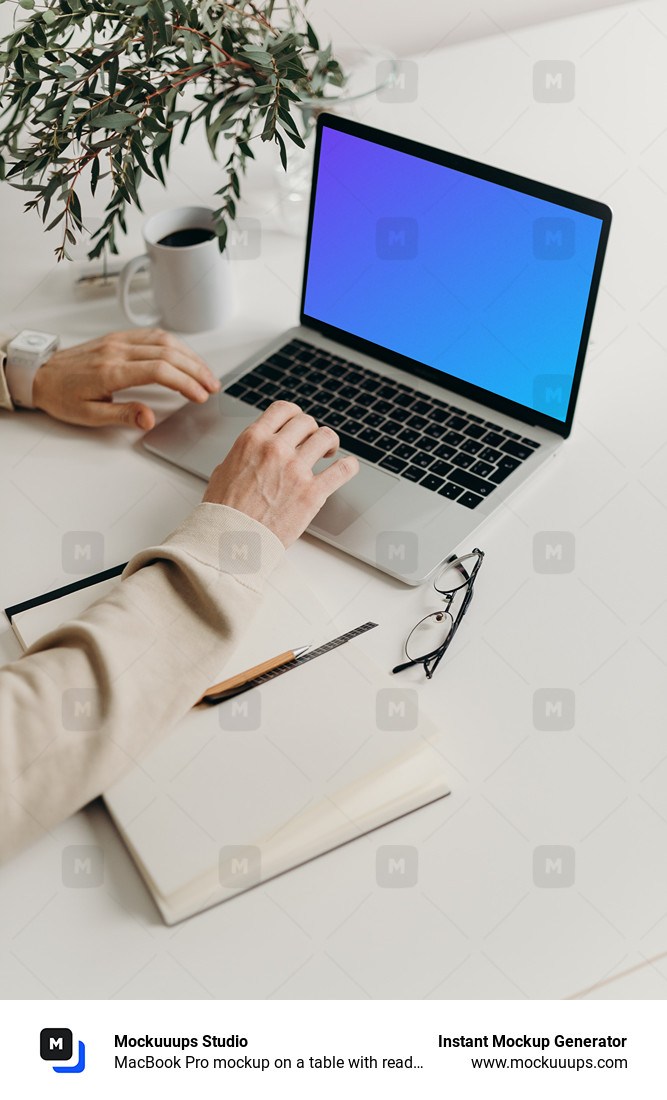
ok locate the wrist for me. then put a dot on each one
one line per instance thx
(38, 388)
(26, 353)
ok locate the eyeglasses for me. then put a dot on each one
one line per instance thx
(428, 641)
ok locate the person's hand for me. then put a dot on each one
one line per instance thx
(77, 384)
(268, 474)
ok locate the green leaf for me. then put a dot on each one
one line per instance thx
(120, 121)
(283, 150)
(109, 75)
(94, 175)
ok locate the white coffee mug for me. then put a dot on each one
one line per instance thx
(192, 282)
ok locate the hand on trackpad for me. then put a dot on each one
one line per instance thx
(354, 499)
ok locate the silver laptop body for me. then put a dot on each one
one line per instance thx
(380, 517)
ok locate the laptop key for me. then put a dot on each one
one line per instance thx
(413, 473)
(512, 435)
(529, 442)
(422, 408)
(350, 393)
(404, 400)
(383, 407)
(263, 403)
(385, 443)
(334, 419)
(422, 459)
(404, 450)
(267, 371)
(408, 435)
(457, 423)
(279, 360)
(493, 439)
(462, 460)
(506, 466)
(432, 482)
(471, 481)
(450, 491)
(475, 431)
(445, 450)
(483, 469)
(517, 450)
(392, 463)
(369, 435)
(440, 468)
(270, 389)
(469, 500)
(237, 389)
(319, 360)
(358, 447)
(439, 416)
(427, 443)
(418, 422)
(455, 438)
(471, 446)
(489, 454)
(388, 392)
(253, 396)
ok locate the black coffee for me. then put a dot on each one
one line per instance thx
(181, 238)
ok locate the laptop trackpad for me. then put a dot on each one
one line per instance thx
(354, 499)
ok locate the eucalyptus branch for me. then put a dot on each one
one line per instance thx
(92, 90)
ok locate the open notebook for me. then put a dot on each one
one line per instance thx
(248, 789)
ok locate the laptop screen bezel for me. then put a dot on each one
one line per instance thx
(494, 175)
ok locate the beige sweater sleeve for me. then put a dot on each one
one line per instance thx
(90, 698)
(5, 396)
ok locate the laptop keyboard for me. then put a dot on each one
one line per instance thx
(423, 439)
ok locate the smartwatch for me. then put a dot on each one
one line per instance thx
(25, 355)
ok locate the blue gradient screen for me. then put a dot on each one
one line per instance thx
(466, 276)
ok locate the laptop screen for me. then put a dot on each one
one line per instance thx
(486, 283)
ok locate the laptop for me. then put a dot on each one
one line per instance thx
(445, 313)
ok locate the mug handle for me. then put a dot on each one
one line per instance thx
(143, 320)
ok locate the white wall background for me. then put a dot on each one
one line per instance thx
(410, 28)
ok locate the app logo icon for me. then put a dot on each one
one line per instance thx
(56, 1045)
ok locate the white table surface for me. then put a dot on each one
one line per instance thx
(475, 925)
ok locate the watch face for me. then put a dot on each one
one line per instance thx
(33, 342)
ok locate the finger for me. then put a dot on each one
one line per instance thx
(133, 414)
(298, 429)
(180, 357)
(277, 414)
(144, 372)
(337, 474)
(322, 444)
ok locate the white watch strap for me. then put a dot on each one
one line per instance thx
(19, 381)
